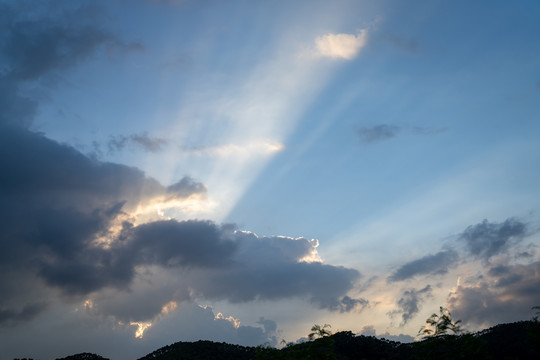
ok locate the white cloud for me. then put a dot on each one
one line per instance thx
(341, 46)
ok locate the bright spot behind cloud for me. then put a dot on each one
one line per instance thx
(341, 46)
(141, 328)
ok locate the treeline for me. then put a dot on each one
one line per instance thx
(519, 340)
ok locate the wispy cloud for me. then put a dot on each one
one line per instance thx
(234, 150)
(410, 302)
(142, 141)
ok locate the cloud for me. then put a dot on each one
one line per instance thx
(341, 46)
(347, 304)
(369, 330)
(71, 223)
(378, 133)
(207, 324)
(75, 228)
(506, 294)
(43, 41)
(486, 239)
(61, 208)
(272, 268)
(230, 150)
(142, 141)
(436, 264)
(409, 303)
(27, 312)
(382, 132)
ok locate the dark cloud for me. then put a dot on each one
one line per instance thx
(348, 304)
(172, 243)
(27, 312)
(378, 133)
(436, 264)
(142, 141)
(57, 203)
(60, 209)
(506, 294)
(270, 268)
(185, 188)
(409, 303)
(486, 239)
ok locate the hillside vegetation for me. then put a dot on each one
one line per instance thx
(520, 340)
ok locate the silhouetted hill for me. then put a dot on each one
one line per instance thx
(84, 356)
(201, 350)
(520, 340)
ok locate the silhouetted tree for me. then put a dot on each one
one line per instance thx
(536, 315)
(319, 331)
(440, 324)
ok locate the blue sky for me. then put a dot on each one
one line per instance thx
(239, 171)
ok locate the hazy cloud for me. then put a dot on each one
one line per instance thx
(341, 46)
(486, 239)
(436, 264)
(410, 302)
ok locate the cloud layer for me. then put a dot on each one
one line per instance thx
(76, 229)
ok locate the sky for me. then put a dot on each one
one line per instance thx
(239, 171)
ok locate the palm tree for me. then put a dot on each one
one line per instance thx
(319, 331)
(440, 324)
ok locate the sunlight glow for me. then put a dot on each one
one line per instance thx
(141, 328)
(169, 307)
(233, 321)
(313, 255)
